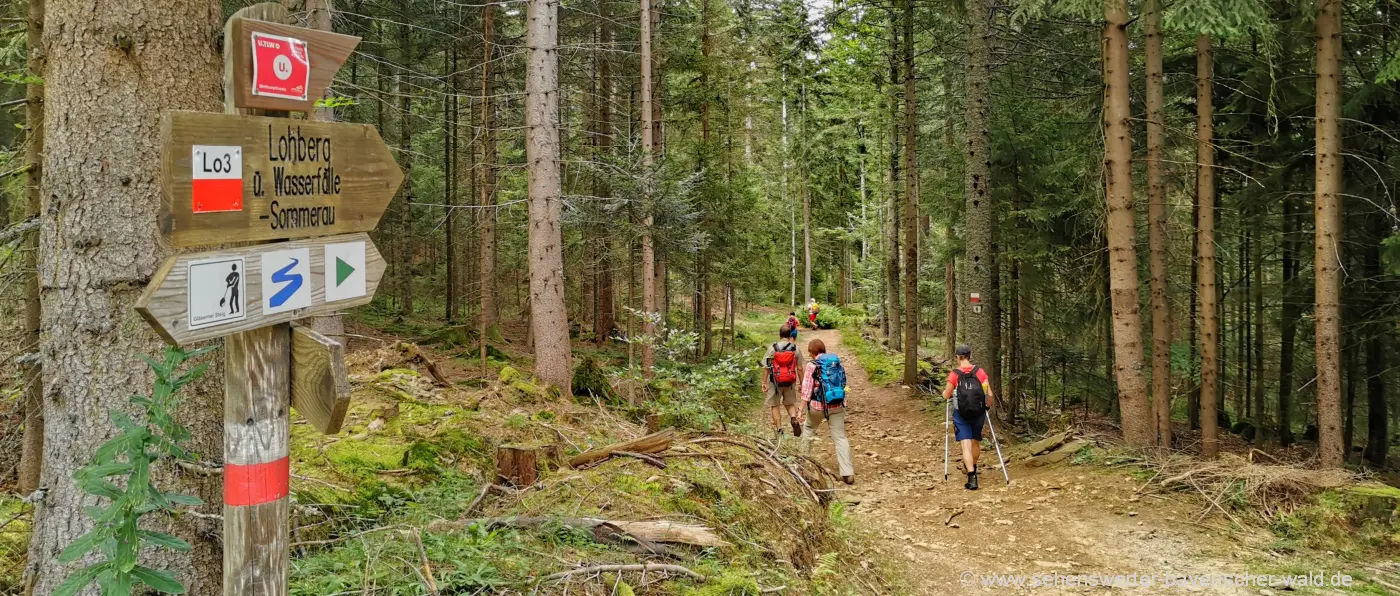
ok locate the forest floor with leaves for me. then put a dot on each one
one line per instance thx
(1063, 519)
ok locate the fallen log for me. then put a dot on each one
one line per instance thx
(644, 567)
(412, 353)
(1063, 453)
(644, 532)
(1049, 443)
(652, 443)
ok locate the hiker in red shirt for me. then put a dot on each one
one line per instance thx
(974, 398)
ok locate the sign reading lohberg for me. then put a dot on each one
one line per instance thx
(217, 290)
(199, 296)
(251, 179)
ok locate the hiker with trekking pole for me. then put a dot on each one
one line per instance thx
(781, 382)
(968, 402)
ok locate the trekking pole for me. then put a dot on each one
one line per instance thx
(1000, 461)
(947, 417)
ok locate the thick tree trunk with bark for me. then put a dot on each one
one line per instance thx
(911, 206)
(99, 248)
(1206, 291)
(1157, 231)
(979, 213)
(1328, 232)
(1138, 427)
(549, 320)
(32, 451)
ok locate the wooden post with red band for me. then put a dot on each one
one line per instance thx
(257, 397)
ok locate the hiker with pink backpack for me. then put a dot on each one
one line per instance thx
(781, 382)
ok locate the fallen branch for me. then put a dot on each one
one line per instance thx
(950, 517)
(642, 456)
(644, 532)
(427, 568)
(412, 353)
(644, 567)
(482, 497)
(18, 228)
(652, 443)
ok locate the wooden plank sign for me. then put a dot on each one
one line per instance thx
(320, 379)
(199, 296)
(233, 178)
(284, 67)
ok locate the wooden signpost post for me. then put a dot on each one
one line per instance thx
(238, 178)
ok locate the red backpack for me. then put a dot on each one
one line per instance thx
(784, 365)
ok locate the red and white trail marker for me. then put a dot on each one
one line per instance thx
(281, 67)
(218, 179)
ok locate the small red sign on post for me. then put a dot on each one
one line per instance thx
(281, 67)
(975, 298)
(217, 185)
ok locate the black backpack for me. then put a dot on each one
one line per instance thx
(968, 396)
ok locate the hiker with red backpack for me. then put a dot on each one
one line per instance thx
(781, 381)
(969, 395)
(824, 398)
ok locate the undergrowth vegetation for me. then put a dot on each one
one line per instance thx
(399, 500)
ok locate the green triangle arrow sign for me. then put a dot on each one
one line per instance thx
(342, 271)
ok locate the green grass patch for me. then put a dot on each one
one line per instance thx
(881, 365)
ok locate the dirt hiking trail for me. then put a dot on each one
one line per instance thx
(1066, 520)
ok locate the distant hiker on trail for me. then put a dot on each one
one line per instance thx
(793, 323)
(812, 310)
(974, 397)
(781, 381)
(824, 398)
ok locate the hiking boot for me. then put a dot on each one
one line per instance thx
(777, 432)
(848, 479)
(971, 481)
(796, 427)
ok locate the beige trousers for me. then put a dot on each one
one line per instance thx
(837, 421)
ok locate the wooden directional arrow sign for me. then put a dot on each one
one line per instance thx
(232, 178)
(194, 297)
(282, 67)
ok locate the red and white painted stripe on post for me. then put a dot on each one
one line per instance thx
(247, 480)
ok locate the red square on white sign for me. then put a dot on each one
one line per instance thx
(281, 67)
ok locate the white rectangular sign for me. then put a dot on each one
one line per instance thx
(286, 280)
(217, 291)
(345, 271)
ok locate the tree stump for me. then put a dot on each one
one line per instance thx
(653, 422)
(519, 465)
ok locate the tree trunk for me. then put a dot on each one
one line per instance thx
(607, 313)
(549, 320)
(1328, 230)
(1377, 348)
(92, 352)
(489, 316)
(1205, 246)
(979, 265)
(1257, 349)
(892, 209)
(32, 451)
(649, 309)
(1157, 230)
(1138, 427)
(1288, 320)
(449, 179)
(912, 308)
(401, 87)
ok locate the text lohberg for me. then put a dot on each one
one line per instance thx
(292, 148)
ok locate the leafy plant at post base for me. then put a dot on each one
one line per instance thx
(142, 441)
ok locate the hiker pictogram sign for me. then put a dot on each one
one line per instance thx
(194, 297)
